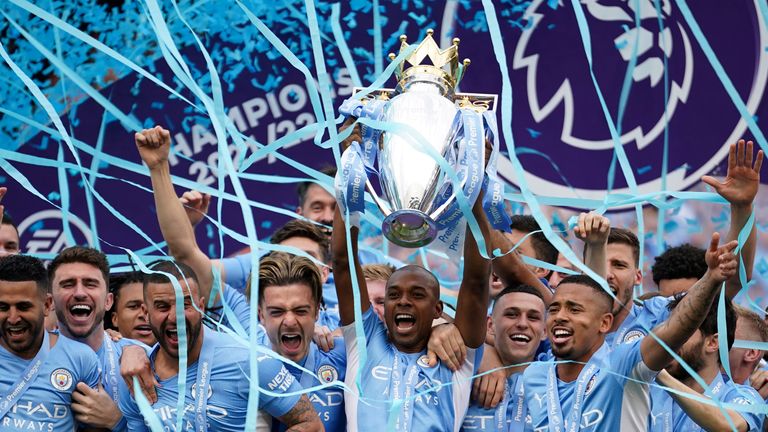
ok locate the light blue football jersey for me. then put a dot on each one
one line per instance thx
(438, 397)
(653, 312)
(46, 404)
(510, 415)
(611, 402)
(327, 367)
(667, 416)
(109, 359)
(227, 401)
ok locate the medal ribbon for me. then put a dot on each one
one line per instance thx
(22, 385)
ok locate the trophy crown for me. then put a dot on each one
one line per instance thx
(445, 63)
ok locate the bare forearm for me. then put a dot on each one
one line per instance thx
(473, 293)
(681, 324)
(176, 229)
(174, 225)
(739, 217)
(594, 258)
(302, 417)
(511, 268)
(709, 417)
(342, 274)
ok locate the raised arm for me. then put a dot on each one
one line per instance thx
(739, 188)
(709, 417)
(690, 312)
(593, 230)
(511, 269)
(472, 303)
(341, 271)
(154, 145)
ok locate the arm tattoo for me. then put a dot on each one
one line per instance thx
(302, 417)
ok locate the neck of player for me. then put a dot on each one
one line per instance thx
(708, 373)
(569, 371)
(413, 349)
(167, 366)
(620, 317)
(522, 362)
(27, 354)
(94, 340)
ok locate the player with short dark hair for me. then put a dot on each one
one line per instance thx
(127, 315)
(672, 411)
(534, 243)
(594, 386)
(516, 325)
(622, 251)
(78, 277)
(397, 365)
(38, 371)
(217, 364)
(678, 268)
(10, 242)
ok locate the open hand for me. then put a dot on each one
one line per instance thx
(743, 177)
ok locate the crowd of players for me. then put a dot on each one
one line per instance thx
(367, 345)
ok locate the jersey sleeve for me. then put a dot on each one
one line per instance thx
(238, 305)
(658, 307)
(124, 342)
(273, 376)
(329, 318)
(626, 361)
(745, 395)
(236, 270)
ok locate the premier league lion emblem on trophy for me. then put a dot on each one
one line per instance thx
(429, 133)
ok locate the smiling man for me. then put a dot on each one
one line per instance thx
(622, 253)
(218, 366)
(701, 353)
(289, 305)
(78, 277)
(397, 366)
(517, 328)
(38, 371)
(595, 388)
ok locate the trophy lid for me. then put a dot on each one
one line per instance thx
(445, 71)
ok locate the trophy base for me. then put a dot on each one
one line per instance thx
(409, 228)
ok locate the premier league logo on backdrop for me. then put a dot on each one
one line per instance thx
(655, 79)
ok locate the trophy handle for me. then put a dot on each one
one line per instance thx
(381, 204)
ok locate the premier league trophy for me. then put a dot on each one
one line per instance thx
(429, 142)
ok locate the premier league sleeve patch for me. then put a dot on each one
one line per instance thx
(61, 379)
(633, 335)
(327, 373)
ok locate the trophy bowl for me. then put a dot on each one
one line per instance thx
(428, 122)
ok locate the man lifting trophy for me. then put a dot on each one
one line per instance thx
(426, 144)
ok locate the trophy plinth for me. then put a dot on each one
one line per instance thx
(409, 228)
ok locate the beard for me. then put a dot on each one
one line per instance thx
(694, 360)
(98, 323)
(193, 334)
